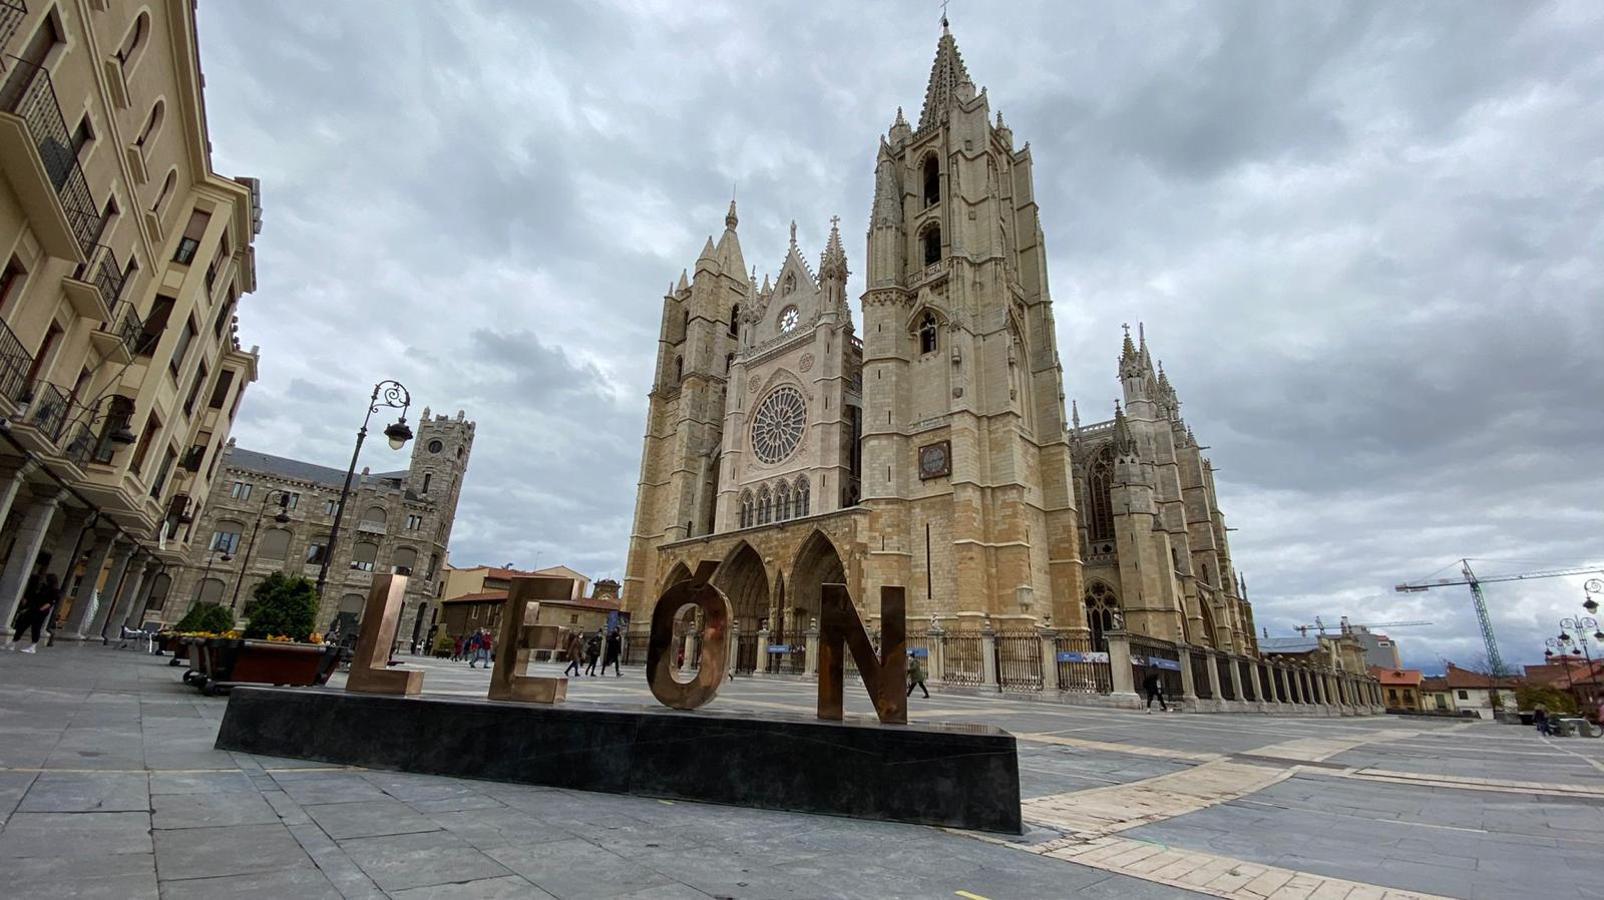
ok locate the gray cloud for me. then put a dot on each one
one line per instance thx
(1363, 238)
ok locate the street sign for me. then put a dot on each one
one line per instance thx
(779, 648)
(1159, 662)
(1072, 656)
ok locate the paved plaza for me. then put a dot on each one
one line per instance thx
(110, 787)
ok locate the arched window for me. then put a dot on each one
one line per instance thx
(211, 591)
(932, 245)
(153, 124)
(374, 515)
(159, 588)
(679, 369)
(801, 495)
(1100, 499)
(167, 189)
(735, 320)
(275, 544)
(746, 509)
(685, 324)
(765, 505)
(927, 332)
(932, 180)
(782, 502)
(133, 42)
(363, 555)
(404, 561)
(1102, 614)
(1205, 571)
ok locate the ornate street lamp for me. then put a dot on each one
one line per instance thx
(389, 393)
(282, 517)
(1590, 587)
(212, 555)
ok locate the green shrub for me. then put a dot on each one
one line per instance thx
(282, 604)
(206, 617)
(1555, 700)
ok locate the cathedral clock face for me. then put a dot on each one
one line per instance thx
(935, 460)
(788, 318)
(778, 425)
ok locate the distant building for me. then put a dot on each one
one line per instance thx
(396, 521)
(460, 582)
(482, 606)
(1574, 675)
(1400, 688)
(1339, 652)
(1482, 694)
(1380, 651)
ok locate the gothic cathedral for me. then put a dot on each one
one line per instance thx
(783, 450)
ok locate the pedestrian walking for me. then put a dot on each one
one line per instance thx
(916, 675)
(37, 605)
(1154, 688)
(1540, 719)
(592, 652)
(615, 649)
(575, 649)
(487, 647)
(471, 648)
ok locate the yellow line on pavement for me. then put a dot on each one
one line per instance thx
(968, 896)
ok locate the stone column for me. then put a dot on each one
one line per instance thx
(1233, 677)
(107, 598)
(1188, 689)
(75, 522)
(1211, 674)
(1119, 669)
(988, 658)
(938, 653)
(1049, 661)
(1294, 680)
(1258, 684)
(692, 641)
(136, 605)
(9, 491)
(30, 538)
(83, 604)
(762, 668)
(127, 596)
(813, 650)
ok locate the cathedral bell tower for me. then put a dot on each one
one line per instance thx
(966, 466)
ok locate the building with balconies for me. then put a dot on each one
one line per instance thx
(123, 257)
(275, 514)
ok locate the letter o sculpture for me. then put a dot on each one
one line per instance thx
(668, 690)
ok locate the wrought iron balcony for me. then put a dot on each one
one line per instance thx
(40, 160)
(14, 364)
(96, 284)
(49, 410)
(12, 13)
(81, 449)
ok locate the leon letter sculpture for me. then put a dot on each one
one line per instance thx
(521, 637)
(370, 671)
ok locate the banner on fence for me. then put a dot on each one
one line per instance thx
(919, 652)
(1157, 662)
(779, 648)
(1073, 656)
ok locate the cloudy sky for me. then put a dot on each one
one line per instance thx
(1364, 238)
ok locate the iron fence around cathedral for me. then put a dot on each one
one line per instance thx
(961, 658)
(786, 659)
(1222, 665)
(1245, 678)
(1082, 668)
(1200, 674)
(1151, 656)
(635, 648)
(745, 661)
(1018, 661)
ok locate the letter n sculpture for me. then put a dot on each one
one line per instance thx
(885, 676)
(521, 637)
(370, 671)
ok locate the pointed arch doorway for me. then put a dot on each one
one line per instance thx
(817, 563)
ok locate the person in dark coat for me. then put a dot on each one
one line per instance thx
(916, 676)
(592, 652)
(37, 604)
(1154, 688)
(575, 649)
(615, 650)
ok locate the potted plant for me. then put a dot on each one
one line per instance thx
(186, 640)
(278, 645)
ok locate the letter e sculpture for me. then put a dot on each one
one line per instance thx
(520, 637)
(370, 672)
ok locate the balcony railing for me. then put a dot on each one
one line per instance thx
(131, 328)
(14, 364)
(49, 410)
(11, 15)
(103, 272)
(82, 446)
(29, 95)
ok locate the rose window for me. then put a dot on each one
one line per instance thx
(777, 427)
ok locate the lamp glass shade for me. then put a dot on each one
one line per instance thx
(1591, 605)
(122, 436)
(1548, 653)
(398, 434)
(282, 518)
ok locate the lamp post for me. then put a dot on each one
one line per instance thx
(281, 518)
(389, 393)
(1587, 630)
(211, 556)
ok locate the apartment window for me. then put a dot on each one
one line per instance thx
(82, 136)
(330, 507)
(573, 618)
(155, 324)
(291, 500)
(223, 314)
(226, 537)
(240, 491)
(153, 124)
(275, 543)
(220, 392)
(130, 270)
(168, 458)
(363, 555)
(414, 523)
(194, 390)
(404, 560)
(427, 477)
(46, 347)
(146, 437)
(317, 550)
(134, 42)
(1464, 695)
(11, 281)
(185, 338)
(193, 232)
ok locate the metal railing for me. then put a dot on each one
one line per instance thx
(101, 270)
(961, 658)
(30, 96)
(1018, 662)
(745, 661)
(1200, 674)
(1151, 656)
(14, 364)
(49, 410)
(1245, 679)
(12, 13)
(1082, 668)
(131, 328)
(82, 446)
(1223, 666)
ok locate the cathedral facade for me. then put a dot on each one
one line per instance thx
(784, 450)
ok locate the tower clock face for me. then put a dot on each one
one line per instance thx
(788, 318)
(935, 460)
(436, 446)
(778, 425)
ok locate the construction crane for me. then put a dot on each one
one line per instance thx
(1495, 661)
(1346, 626)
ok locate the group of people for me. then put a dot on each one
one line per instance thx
(609, 649)
(476, 647)
(39, 601)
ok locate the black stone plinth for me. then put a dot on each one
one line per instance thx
(962, 776)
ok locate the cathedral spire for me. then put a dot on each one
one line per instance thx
(834, 259)
(1124, 441)
(729, 246)
(684, 283)
(946, 74)
(730, 220)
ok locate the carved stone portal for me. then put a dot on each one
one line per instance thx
(520, 637)
(370, 672)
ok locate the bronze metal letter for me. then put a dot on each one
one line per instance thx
(370, 673)
(885, 677)
(519, 638)
(668, 690)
